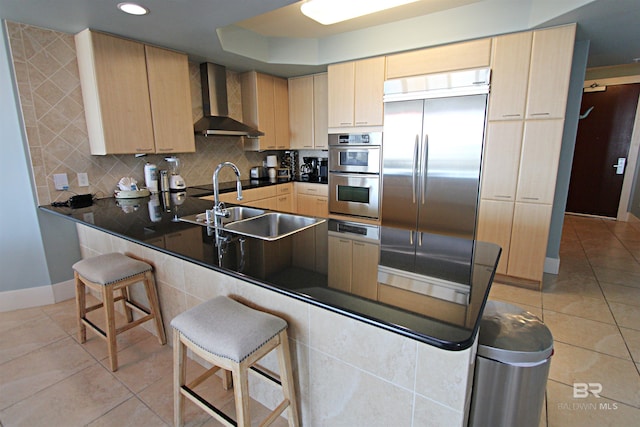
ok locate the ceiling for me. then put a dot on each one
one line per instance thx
(274, 37)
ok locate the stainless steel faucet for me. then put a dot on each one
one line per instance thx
(218, 207)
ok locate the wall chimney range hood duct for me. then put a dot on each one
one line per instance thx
(216, 120)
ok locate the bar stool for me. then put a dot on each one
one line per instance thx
(232, 337)
(107, 274)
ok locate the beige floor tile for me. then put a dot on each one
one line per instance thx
(39, 369)
(578, 305)
(159, 397)
(616, 276)
(627, 316)
(143, 363)
(78, 400)
(16, 318)
(619, 377)
(64, 315)
(566, 411)
(601, 337)
(28, 336)
(632, 339)
(132, 413)
(622, 294)
(515, 295)
(586, 286)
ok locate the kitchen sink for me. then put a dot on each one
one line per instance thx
(236, 213)
(272, 225)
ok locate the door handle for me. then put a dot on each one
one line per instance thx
(620, 165)
(415, 168)
(425, 159)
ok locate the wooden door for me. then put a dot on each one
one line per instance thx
(301, 112)
(320, 138)
(170, 96)
(369, 90)
(539, 161)
(604, 136)
(341, 93)
(281, 113)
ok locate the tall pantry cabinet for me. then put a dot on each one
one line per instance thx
(530, 82)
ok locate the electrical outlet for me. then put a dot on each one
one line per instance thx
(60, 181)
(83, 179)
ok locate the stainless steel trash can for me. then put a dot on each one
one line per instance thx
(512, 367)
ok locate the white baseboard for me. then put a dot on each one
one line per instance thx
(552, 265)
(37, 296)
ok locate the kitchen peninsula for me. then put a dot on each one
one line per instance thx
(357, 361)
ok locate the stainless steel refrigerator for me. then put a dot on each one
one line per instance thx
(432, 149)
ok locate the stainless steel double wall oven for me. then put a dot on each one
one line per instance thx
(354, 174)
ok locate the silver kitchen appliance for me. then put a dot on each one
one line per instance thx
(354, 174)
(434, 129)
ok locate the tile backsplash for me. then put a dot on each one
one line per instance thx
(46, 73)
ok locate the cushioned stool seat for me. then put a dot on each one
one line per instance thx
(107, 274)
(232, 337)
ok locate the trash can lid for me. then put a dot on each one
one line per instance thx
(512, 335)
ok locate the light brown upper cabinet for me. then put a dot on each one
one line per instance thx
(355, 91)
(501, 160)
(125, 88)
(509, 76)
(539, 161)
(551, 58)
(308, 112)
(265, 106)
(458, 56)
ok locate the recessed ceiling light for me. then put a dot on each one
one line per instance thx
(329, 12)
(133, 8)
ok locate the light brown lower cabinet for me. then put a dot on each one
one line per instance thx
(353, 266)
(495, 219)
(529, 236)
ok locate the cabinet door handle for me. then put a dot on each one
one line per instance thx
(540, 114)
(531, 198)
(345, 123)
(511, 115)
(499, 196)
(144, 149)
(362, 123)
(165, 149)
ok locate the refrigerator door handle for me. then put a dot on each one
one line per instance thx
(411, 237)
(415, 168)
(425, 158)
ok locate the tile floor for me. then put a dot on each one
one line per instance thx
(592, 308)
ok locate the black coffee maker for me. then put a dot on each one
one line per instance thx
(310, 169)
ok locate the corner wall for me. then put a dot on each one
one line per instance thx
(578, 67)
(22, 257)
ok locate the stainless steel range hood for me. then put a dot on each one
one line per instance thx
(216, 120)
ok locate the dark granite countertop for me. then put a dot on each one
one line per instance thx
(277, 266)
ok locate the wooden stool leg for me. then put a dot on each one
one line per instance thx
(241, 384)
(227, 381)
(286, 378)
(81, 308)
(124, 292)
(109, 310)
(154, 305)
(179, 378)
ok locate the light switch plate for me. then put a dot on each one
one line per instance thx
(60, 181)
(83, 179)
